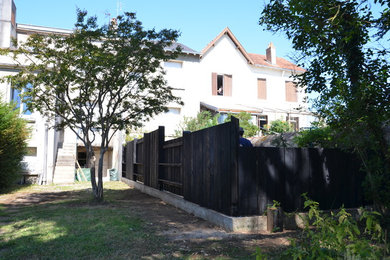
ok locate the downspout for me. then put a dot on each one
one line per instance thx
(44, 179)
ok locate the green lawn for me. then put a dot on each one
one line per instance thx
(63, 222)
(75, 228)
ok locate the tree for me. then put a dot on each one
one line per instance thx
(13, 143)
(337, 43)
(280, 126)
(205, 119)
(98, 80)
(245, 118)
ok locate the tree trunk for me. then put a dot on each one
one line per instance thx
(99, 195)
(91, 165)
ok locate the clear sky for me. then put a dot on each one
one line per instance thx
(198, 21)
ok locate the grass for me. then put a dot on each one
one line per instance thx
(65, 223)
(74, 228)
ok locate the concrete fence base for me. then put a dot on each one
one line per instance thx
(291, 221)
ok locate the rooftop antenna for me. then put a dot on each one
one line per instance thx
(118, 7)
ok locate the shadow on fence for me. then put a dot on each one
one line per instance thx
(208, 167)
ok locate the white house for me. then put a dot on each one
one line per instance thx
(222, 78)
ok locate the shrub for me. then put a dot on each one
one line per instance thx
(280, 126)
(246, 123)
(338, 236)
(203, 119)
(13, 137)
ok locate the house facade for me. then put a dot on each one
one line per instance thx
(223, 78)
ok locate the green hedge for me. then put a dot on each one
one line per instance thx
(13, 143)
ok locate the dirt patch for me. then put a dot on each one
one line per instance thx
(179, 229)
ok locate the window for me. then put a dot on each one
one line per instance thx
(294, 121)
(31, 151)
(222, 117)
(262, 121)
(173, 111)
(221, 84)
(173, 64)
(291, 92)
(261, 89)
(20, 102)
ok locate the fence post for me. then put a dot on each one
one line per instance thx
(187, 165)
(234, 138)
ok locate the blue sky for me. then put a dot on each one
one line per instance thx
(198, 21)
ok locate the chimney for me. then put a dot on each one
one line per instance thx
(7, 23)
(271, 53)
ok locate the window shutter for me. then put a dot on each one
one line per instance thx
(227, 85)
(291, 92)
(261, 89)
(214, 84)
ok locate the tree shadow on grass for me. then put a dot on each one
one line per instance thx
(129, 224)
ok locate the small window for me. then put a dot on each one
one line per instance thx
(261, 89)
(222, 117)
(294, 122)
(262, 121)
(173, 64)
(173, 111)
(221, 84)
(19, 101)
(31, 151)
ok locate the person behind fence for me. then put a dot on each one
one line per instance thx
(243, 141)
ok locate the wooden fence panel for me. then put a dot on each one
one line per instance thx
(210, 167)
(171, 172)
(139, 161)
(328, 176)
(130, 160)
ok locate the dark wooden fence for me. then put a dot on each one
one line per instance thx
(328, 176)
(208, 167)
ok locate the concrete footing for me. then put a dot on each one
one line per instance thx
(231, 224)
(291, 221)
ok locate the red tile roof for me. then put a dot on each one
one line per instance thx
(254, 59)
(261, 60)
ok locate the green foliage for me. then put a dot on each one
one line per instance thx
(317, 136)
(245, 122)
(343, 45)
(203, 119)
(280, 126)
(99, 79)
(13, 143)
(337, 236)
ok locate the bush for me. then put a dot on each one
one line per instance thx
(280, 126)
(13, 137)
(245, 118)
(337, 236)
(203, 119)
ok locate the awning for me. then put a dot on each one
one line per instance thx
(231, 108)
